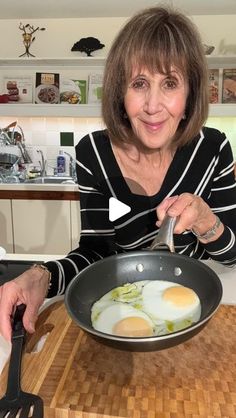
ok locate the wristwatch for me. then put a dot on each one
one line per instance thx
(210, 233)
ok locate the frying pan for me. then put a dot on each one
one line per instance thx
(99, 278)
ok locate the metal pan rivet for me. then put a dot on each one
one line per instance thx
(177, 271)
(140, 267)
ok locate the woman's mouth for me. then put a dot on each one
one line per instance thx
(153, 126)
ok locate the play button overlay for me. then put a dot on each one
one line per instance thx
(117, 209)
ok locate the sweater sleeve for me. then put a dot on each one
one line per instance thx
(222, 200)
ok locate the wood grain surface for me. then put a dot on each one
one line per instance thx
(39, 194)
(79, 377)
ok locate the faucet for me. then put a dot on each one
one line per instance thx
(42, 163)
(72, 166)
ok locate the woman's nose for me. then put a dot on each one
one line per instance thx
(153, 101)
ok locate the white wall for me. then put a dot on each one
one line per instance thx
(61, 34)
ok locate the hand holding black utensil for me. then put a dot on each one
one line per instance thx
(16, 402)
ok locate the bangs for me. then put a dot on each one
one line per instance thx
(160, 51)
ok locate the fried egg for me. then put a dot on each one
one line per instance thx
(146, 308)
(170, 301)
(124, 320)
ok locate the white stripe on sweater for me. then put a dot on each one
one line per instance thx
(101, 165)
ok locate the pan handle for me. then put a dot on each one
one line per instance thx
(164, 237)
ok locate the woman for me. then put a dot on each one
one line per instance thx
(155, 156)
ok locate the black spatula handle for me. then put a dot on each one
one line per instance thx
(18, 329)
(18, 337)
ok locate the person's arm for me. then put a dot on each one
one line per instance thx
(30, 288)
(217, 238)
(222, 201)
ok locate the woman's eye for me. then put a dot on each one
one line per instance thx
(171, 83)
(139, 84)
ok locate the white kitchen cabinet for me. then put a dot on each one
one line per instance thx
(84, 66)
(41, 226)
(75, 223)
(6, 231)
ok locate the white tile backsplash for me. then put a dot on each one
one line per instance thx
(66, 124)
(52, 138)
(38, 124)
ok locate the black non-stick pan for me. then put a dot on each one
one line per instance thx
(97, 279)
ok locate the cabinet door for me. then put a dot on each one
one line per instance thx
(6, 232)
(41, 226)
(75, 223)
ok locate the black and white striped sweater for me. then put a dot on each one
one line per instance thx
(205, 168)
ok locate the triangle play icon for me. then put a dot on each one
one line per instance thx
(117, 209)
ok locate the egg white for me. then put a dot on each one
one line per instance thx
(143, 299)
(129, 293)
(110, 315)
(158, 308)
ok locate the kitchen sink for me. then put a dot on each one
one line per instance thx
(9, 269)
(51, 180)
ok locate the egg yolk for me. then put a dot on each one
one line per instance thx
(133, 326)
(180, 296)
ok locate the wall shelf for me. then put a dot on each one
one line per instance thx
(65, 110)
(222, 110)
(221, 61)
(53, 62)
(213, 60)
(50, 110)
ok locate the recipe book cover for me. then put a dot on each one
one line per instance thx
(95, 88)
(73, 91)
(229, 86)
(19, 89)
(47, 88)
(213, 85)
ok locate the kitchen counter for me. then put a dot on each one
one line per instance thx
(34, 187)
(39, 191)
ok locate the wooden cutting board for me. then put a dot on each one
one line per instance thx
(79, 377)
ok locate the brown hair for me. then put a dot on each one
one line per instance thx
(156, 38)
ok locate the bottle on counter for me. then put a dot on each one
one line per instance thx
(61, 163)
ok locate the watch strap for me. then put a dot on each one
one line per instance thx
(210, 233)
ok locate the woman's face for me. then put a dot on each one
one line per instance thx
(155, 105)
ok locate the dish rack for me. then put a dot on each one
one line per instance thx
(13, 153)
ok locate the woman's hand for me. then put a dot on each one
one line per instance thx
(192, 213)
(29, 288)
